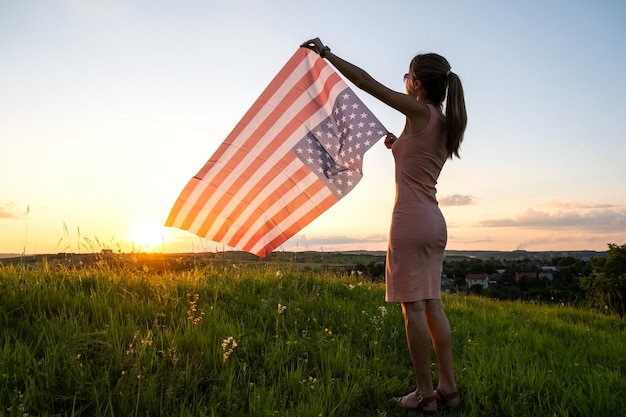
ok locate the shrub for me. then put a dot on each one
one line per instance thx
(606, 286)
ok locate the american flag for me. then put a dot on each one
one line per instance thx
(296, 152)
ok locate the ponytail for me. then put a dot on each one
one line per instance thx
(456, 116)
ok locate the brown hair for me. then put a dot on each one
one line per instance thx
(433, 71)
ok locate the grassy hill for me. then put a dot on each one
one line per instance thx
(229, 337)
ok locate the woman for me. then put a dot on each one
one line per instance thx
(418, 233)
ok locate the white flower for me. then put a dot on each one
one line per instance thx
(229, 341)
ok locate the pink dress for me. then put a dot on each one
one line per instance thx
(418, 233)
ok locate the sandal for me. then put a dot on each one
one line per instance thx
(451, 399)
(422, 402)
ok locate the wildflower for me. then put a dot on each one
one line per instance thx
(172, 354)
(383, 311)
(20, 408)
(350, 287)
(281, 308)
(131, 349)
(228, 341)
(228, 346)
(279, 274)
(137, 337)
(193, 308)
(158, 317)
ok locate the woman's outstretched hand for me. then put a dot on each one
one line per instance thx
(316, 46)
(389, 140)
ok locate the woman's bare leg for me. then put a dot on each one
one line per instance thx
(418, 339)
(441, 336)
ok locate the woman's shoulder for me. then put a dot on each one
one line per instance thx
(424, 121)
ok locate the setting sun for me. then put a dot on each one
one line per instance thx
(147, 235)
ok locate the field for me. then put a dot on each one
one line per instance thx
(232, 337)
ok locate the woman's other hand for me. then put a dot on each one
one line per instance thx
(389, 140)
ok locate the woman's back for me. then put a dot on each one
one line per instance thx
(419, 159)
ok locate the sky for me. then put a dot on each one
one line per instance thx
(108, 108)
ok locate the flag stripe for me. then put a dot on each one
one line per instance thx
(277, 210)
(264, 227)
(250, 201)
(180, 202)
(278, 186)
(265, 246)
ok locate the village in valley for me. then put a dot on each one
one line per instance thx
(533, 276)
(537, 276)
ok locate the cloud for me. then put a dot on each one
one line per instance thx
(595, 220)
(487, 239)
(565, 205)
(461, 239)
(456, 200)
(565, 239)
(10, 211)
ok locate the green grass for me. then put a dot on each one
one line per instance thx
(270, 341)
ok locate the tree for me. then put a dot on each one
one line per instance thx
(476, 289)
(458, 274)
(606, 286)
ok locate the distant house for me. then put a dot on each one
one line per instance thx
(525, 274)
(547, 275)
(496, 278)
(477, 279)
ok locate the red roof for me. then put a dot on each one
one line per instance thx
(477, 277)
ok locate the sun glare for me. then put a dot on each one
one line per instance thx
(148, 235)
